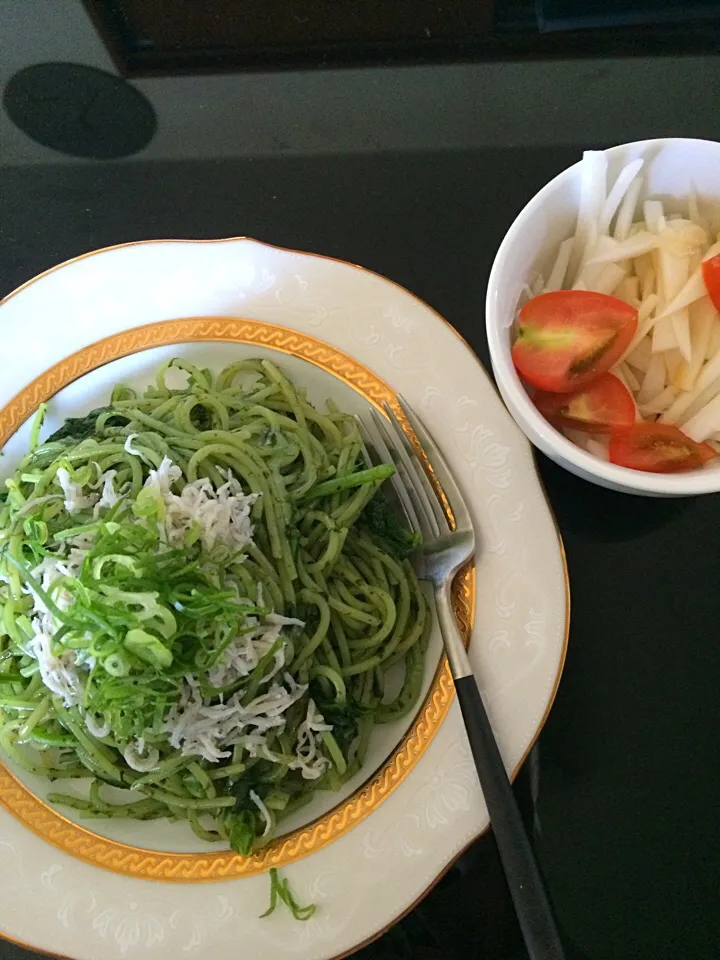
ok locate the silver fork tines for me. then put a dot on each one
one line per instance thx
(431, 511)
(439, 466)
(372, 438)
(443, 550)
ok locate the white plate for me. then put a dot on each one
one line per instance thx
(330, 374)
(372, 874)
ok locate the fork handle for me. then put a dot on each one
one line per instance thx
(521, 870)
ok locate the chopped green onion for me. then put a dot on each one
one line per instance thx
(280, 890)
(193, 589)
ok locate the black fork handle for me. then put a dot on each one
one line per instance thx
(527, 889)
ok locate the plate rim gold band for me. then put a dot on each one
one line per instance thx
(137, 862)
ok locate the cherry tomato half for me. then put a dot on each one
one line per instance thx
(711, 276)
(658, 448)
(603, 406)
(568, 337)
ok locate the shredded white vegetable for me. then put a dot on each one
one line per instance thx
(651, 257)
(592, 198)
(615, 196)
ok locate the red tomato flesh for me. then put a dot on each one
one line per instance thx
(658, 448)
(711, 276)
(603, 406)
(567, 338)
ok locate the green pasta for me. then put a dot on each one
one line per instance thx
(205, 601)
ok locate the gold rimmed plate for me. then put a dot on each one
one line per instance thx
(367, 856)
(161, 850)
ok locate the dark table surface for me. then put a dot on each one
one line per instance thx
(621, 792)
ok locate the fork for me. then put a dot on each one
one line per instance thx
(445, 549)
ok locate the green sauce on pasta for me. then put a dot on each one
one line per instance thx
(204, 601)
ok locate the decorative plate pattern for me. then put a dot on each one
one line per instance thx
(372, 874)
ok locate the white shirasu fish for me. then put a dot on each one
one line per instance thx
(109, 497)
(264, 812)
(58, 672)
(198, 728)
(245, 652)
(222, 514)
(72, 491)
(311, 763)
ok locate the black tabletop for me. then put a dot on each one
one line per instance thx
(622, 790)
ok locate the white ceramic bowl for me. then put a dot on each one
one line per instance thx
(673, 168)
